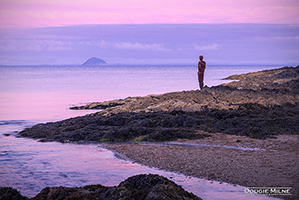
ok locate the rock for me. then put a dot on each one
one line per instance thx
(8, 193)
(147, 187)
(94, 62)
(154, 187)
(160, 126)
(98, 106)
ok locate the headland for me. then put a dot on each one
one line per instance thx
(244, 132)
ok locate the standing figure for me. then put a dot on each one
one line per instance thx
(201, 70)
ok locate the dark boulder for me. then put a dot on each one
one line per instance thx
(154, 187)
(139, 187)
(8, 193)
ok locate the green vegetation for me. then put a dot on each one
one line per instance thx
(105, 140)
(140, 138)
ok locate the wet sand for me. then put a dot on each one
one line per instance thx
(272, 163)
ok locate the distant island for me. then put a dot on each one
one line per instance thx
(94, 62)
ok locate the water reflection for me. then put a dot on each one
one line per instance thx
(29, 166)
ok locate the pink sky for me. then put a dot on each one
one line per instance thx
(40, 13)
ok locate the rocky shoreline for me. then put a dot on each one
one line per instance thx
(259, 105)
(259, 110)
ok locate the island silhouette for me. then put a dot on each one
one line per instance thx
(94, 62)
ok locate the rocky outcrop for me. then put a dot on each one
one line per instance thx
(157, 126)
(266, 88)
(259, 105)
(146, 187)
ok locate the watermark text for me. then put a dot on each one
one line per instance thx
(270, 191)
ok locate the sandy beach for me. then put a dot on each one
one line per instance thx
(254, 163)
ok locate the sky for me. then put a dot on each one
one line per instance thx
(54, 32)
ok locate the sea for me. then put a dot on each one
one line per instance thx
(38, 94)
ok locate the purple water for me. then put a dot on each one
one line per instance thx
(34, 94)
(46, 92)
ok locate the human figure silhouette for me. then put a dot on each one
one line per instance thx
(201, 71)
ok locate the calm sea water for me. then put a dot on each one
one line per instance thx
(46, 92)
(34, 94)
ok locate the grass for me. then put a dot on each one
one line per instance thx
(105, 140)
(140, 138)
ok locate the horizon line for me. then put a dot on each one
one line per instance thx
(124, 24)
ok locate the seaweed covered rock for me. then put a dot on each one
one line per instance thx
(159, 126)
(155, 187)
(8, 193)
(139, 187)
(252, 120)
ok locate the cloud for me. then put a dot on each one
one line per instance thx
(208, 47)
(277, 38)
(128, 45)
(140, 46)
(34, 45)
(41, 13)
